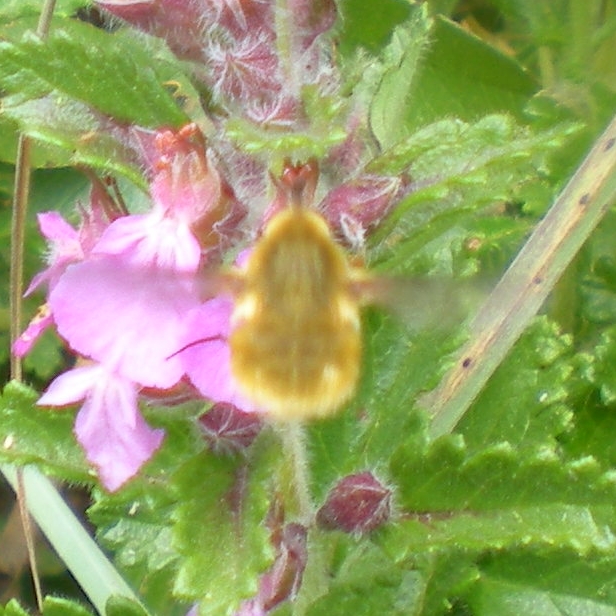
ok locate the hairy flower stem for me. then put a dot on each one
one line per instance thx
(294, 447)
(282, 18)
(21, 194)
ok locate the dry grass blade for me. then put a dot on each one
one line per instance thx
(526, 284)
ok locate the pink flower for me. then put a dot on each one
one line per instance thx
(126, 316)
(206, 355)
(124, 301)
(125, 305)
(109, 426)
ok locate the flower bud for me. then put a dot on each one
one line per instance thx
(229, 430)
(357, 504)
(359, 205)
(283, 580)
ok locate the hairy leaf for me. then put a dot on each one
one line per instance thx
(113, 74)
(33, 435)
(219, 529)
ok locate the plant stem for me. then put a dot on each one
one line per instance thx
(294, 446)
(16, 285)
(21, 192)
(526, 284)
(90, 567)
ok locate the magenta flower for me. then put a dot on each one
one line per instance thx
(206, 355)
(141, 296)
(124, 303)
(109, 426)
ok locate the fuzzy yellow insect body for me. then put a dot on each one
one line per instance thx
(296, 335)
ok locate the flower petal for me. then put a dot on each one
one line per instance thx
(112, 431)
(149, 238)
(206, 355)
(39, 323)
(129, 318)
(71, 386)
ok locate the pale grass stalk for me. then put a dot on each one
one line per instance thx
(526, 284)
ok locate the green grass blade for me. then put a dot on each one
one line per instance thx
(89, 566)
(528, 281)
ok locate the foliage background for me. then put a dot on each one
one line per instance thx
(512, 514)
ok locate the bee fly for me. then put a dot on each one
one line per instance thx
(296, 339)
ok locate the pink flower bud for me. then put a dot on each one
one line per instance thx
(229, 430)
(284, 579)
(357, 504)
(360, 204)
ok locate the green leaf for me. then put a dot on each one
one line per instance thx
(595, 419)
(594, 430)
(536, 527)
(15, 9)
(394, 77)
(13, 608)
(460, 75)
(33, 435)
(369, 25)
(122, 606)
(119, 75)
(458, 169)
(135, 524)
(553, 573)
(57, 606)
(366, 582)
(506, 599)
(603, 377)
(224, 544)
(527, 400)
(444, 577)
(132, 523)
(496, 498)
(444, 477)
(71, 134)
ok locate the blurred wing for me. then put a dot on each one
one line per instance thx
(424, 303)
(212, 282)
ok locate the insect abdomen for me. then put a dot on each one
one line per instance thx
(307, 373)
(296, 340)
